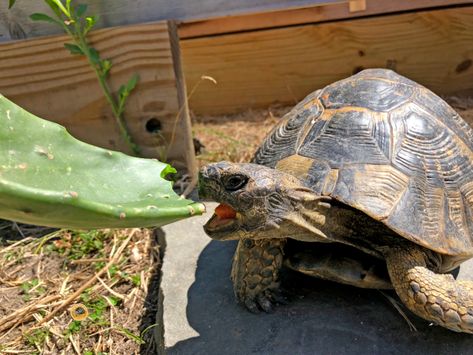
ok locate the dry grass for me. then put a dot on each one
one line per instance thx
(107, 271)
(235, 137)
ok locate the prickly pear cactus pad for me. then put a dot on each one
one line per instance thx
(47, 177)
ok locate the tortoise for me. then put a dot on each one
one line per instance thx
(367, 182)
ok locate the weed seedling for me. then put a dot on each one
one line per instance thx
(74, 21)
(31, 289)
(79, 244)
(37, 337)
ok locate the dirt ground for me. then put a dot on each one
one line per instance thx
(46, 271)
(234, 137)
(42, 269)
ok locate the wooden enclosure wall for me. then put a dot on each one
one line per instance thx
(15, 23)
(45, 79)
(306, 15)
(260, 68)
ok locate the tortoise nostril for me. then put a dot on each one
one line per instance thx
(209, 172)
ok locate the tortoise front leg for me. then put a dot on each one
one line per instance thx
(255, 272)
(439, 298)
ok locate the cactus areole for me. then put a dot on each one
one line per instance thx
(47, 177)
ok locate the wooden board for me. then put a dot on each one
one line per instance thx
(313, 14)
(15, 23)
(45, 79)
(257, 69)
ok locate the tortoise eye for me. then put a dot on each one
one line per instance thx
(235, 182)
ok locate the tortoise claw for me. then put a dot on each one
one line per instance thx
(265, 303)
(279, 297)
(251, 306)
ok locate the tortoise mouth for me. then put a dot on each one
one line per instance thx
(222, 223)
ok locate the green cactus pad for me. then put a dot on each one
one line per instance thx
(47, 177)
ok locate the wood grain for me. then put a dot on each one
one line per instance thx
(306, 15)
(45, 79)
(15, 23)
(260, 68)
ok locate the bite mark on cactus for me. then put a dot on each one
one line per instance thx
(191, 210)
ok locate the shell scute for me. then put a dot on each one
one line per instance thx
(386, 91)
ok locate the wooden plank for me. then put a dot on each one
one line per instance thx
(15, 23)
(316, 14)
(257, 69)
(44, 78)
(181, 134)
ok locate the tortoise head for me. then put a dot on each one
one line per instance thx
(258, 202)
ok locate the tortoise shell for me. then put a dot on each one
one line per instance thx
(388, 147)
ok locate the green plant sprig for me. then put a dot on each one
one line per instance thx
(74, 21)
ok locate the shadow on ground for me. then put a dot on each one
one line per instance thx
(323, 318)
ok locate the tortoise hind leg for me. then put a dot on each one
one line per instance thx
(439, 298)
(255, 273)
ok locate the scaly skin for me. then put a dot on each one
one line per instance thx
(255, 273)
(435, 297)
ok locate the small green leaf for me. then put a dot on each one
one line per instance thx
(114, 300)
(44, 17)
(11, 3)
(68, 5)
(54, 7)
(106, 66)
(132, 83)
(136, 279)
(94, 56)
(122, 92)
(73, 48)
(80, 10)
(61, 7)
(132, 336)
(90, 22)
(74, 327)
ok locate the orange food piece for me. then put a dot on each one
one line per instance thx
(225, 212)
